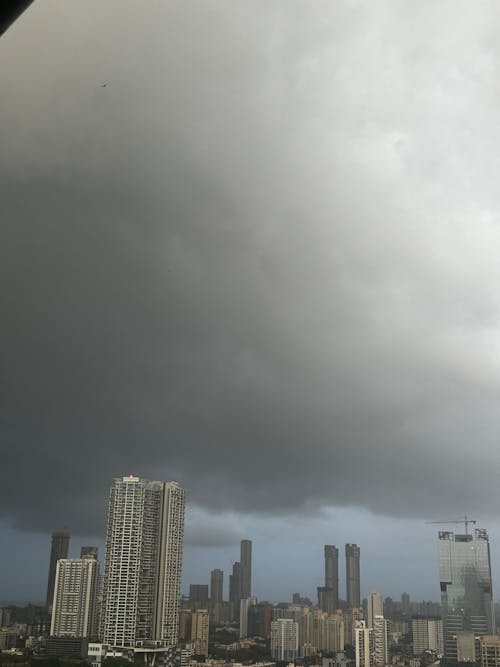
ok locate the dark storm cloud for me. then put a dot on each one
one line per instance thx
(262, 260)
(206, 530)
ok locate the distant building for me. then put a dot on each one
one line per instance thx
(74, 607)
(375, 607)
(351, 618)
(198, 596)
(67, 647)
(8, 638)
(405, 604)
(332, 576)
(216, 585)
(466, 646)
(320, 631)
(89, 552)
(427, 635)
(353, 588)
(365, 645)
(326, 599)
(59, 549)
(218, 610)
(284, 640)
(185, 617)
(490, 651)
(143, 563)
(200, 622)
(245, 606)
(466, 591)
(234, 592)
(245, 569)
(381, 640)
(259, 620)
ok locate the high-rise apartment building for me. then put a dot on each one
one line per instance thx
(245, 569)
(58, 550)
(143, 562)
(365, 645)
(284, 640)
(353, 590)
(466, 590)
(320, 631)
(374, 607)
(381, 640)
(74, 607)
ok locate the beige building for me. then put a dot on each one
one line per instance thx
(365, 645)
(490, 651)
(200, 623)
(320, 631)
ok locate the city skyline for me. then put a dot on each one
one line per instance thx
(257, 254)
(272, 587)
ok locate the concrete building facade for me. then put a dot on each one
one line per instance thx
(74, 606)
(143, 568)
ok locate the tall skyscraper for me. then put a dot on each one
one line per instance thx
(332, 571)
(58, 550)
(143, 562)
(352, 555)
(216, 586)
(74, 608)
(466, 591)
(328, 595)
(245, 569)
(234, 592)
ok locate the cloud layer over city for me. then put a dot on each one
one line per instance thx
(262, 259)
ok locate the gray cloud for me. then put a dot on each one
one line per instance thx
(206, 530)
(263, 260)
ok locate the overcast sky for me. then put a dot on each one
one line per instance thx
(253, 247)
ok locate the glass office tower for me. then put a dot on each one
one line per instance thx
(466, 595)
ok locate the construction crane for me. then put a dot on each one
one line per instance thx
(466, 521)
